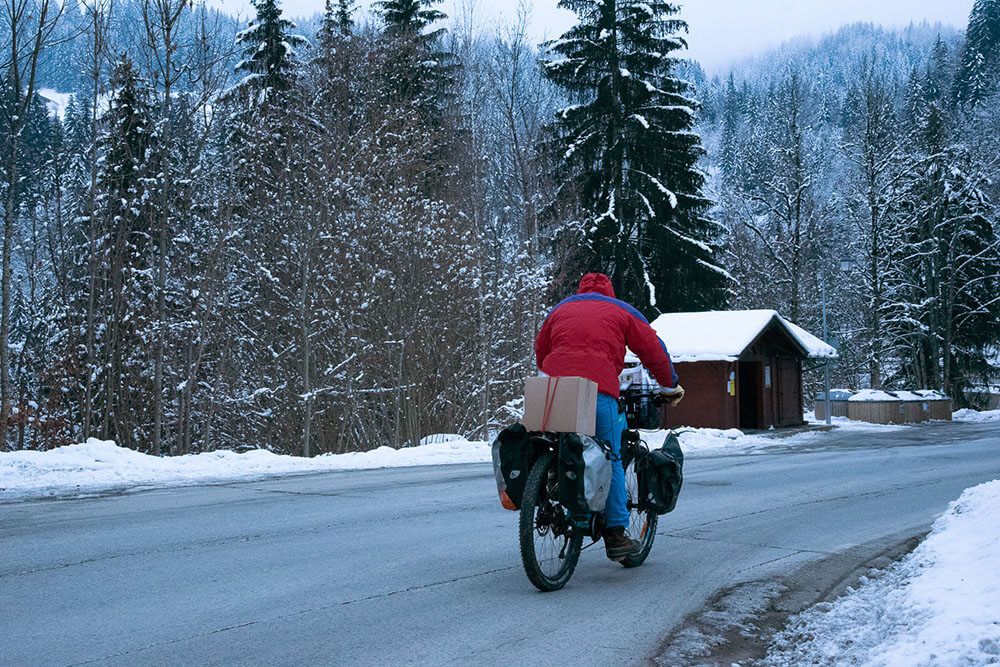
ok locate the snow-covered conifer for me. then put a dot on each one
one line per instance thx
(979, 70)
(626, 147)
(269, 51)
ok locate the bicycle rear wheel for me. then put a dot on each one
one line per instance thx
(641, 524)
(550, 545)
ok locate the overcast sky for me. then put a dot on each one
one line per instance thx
(721, 31)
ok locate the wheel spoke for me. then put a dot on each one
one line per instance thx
(549, 546)
(642, 525)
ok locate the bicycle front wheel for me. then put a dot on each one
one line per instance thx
(641, 524)
(550, 544)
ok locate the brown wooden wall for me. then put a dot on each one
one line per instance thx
(899, 412)
(837, 408)
(940, 409)
(707, 403)
(782, 404)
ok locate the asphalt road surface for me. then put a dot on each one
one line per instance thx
(421, 565)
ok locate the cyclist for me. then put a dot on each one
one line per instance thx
(586, 336)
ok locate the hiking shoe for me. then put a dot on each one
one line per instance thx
(618, 544)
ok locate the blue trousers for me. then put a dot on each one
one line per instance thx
(610, 424)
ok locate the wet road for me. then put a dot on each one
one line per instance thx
(421, 565)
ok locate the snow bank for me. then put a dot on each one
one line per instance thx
(708, 441)
(98, 466)
(938, 606)
(845, 424)
(975, 416)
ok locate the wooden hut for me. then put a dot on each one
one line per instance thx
(898, 407)
(939, 405)
(838, 403)
(740, 369)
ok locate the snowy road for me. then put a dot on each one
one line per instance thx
(421, 565)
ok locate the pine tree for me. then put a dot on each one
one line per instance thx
(939, 73)
(979, 70)
(411, 18)
(628, 150)
(950, 265)
(728, 154)
(872, 143)
(421, 72)
(126, 185)
(269, 54)
(328, 28)
(345, 17)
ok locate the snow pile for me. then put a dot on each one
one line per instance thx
(710, 440)
(975, 416)
(724, 335)
(98, 466)
(695, 441)
(938, 606)
(932, 394)
(713, 441)
(843, 423)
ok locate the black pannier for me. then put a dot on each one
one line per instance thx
(511, 463)
(660, 475)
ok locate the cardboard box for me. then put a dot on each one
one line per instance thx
(570, 404)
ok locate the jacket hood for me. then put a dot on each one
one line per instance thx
(596, 282)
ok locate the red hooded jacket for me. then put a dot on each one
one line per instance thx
(586, 334)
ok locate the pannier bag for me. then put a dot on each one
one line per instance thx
(584, 473)
(511, 464)
(660, 475)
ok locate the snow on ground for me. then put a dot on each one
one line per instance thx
(966, 415)
(843, 423)
(713, 441)
(98, 466)
(938, 606)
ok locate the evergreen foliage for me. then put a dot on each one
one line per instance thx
(886, 177)
(345, 16)
(628, 148)
(420, 72)
(979, 71)
(269, 51)
(353, 249)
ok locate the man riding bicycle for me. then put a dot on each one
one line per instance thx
(586, 336)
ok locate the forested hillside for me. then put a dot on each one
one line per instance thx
(861, 161)
(341, 238)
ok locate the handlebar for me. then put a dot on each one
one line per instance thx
(638, 394)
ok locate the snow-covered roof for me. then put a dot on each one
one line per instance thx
(835, 395)
(723, 335)
(870, 395)
(898, 395)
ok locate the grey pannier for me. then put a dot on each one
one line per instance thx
(584, 473)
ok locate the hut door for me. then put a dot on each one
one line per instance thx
(750, 394)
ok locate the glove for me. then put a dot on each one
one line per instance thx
(673, 395)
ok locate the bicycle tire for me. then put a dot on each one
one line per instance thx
(642, 525)
(532, 501)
